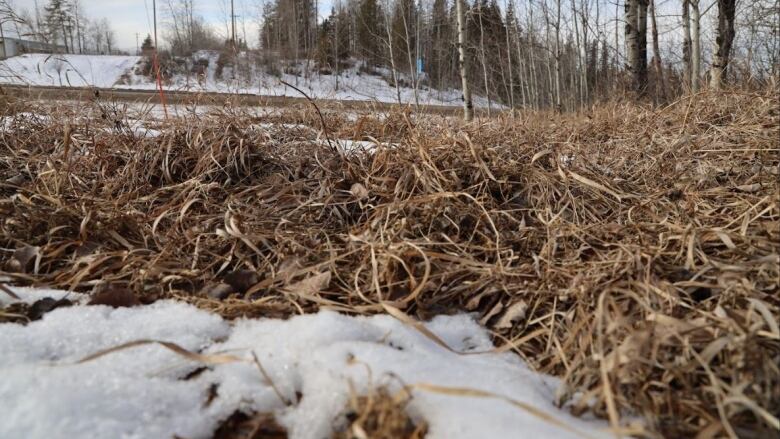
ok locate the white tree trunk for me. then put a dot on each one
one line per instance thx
(468, 106)
(695, 45)
(723, 41)
(686, 21)
(482, 57)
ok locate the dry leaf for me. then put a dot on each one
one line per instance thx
(21, 260)
(512, 314)
(311, 285)
(216, 291)
(359, 191)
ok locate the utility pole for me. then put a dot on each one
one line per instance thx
(137, 47)
(233, 25)
(154, 14)
(156, 61)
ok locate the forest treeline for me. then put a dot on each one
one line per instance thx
(562, 54)
(538, 54)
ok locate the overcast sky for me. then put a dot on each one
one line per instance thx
(129, 17)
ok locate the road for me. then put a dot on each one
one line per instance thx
(206, 98)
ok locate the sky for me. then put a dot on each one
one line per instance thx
(129, 17)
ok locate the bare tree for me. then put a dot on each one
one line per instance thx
(659, 70)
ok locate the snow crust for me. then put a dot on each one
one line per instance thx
(141, 392)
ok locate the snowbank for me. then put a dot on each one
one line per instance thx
(141, 392)
(66, 70)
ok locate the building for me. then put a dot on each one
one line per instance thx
(15, 46)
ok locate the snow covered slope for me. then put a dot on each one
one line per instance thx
(350, 84)
(142, 392)
(120, 72)
(66, 70)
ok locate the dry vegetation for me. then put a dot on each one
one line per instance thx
(632, 252)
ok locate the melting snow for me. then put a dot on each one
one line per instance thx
(141, 392)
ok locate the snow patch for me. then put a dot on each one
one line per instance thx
(141, 392)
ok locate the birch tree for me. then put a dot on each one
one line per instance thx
(468, 106)
(723, 41)
(695, 45)
(636, 43)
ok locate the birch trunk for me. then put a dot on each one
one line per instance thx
(695, 45)
(636, 43)
(686, 22)
(482, 57)
(509, 62)
(723, 41)
(468, 106)
(632, 40)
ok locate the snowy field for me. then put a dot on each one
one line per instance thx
(120, 72)
(310, 364)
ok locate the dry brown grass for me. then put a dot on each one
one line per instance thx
(380, 415)
(633, 252)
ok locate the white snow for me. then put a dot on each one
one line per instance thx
(115, 71)
(32, 295)
(140, 392)
(349, 85)
(66, 70)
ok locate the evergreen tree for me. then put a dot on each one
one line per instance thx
(148, 45)
(403, 33)
(369, 28)
(333, 40)
(58, 21)
(439, 63)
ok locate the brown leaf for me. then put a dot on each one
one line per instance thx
(21, 260)
(47, 304)
(115, 297)
(311, 285)
(241, 280)
(217, 291)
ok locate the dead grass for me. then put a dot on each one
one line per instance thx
(380, 415)
(633, 252)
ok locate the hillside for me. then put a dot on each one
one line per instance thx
(205, 72)
(66, 70)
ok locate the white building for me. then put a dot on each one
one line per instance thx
(15, 46)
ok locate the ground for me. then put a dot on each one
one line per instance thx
(630, 252)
